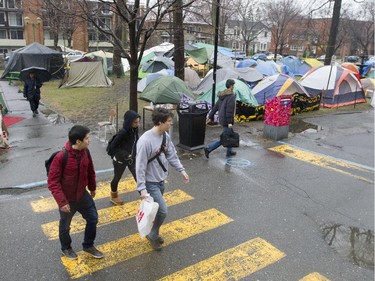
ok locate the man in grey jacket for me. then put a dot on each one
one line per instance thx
(151, 175)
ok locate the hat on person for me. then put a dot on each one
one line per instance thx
(230, 82)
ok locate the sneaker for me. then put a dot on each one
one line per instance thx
(36, 111)
(231, 153)
(94, 252)
(206, 152)
(70, 254)
(155, 244)
(160, 240)
(34, 114)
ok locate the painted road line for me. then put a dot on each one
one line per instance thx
(112, 214)
(315, 276)
(132, 246)
(103, 190)
(324, 161)
(233, 264)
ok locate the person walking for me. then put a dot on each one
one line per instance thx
(226, 105)
(31, 91)
(152, 171)
(125, 147)
(67, 181)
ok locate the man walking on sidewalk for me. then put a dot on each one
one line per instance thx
(71, 171)
(31, 91)
(152, 167)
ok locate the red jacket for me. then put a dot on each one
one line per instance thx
(71, 186)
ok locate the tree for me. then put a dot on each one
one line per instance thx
(140, 22)
(178, 40)
(278, 16)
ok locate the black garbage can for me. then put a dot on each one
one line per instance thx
(192, 125)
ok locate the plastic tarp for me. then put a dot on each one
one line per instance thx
(86, 74)
(191, 78)
(276, 85)
(241, 90)
(37, 55)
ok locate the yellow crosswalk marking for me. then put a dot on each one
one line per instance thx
(103, 190)
(315, 276)
(132, 246)
(112, 214)
(324, 161)
(233, 264)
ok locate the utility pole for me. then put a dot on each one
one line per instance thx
(333, 32)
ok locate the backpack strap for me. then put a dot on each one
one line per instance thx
(162, 149)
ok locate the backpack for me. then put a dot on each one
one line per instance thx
(111, 151)
(48, 162)
(161, 150)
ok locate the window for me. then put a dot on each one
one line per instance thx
(2, 19)
(14, 4)
(105, 8)
(300, 48)
(93, 35)
(3, 34)
(15, 19)
(2, 4)
(105, 23)
(16, 34)
(265, 34)
(293, 48)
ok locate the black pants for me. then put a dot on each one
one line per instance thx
(119, 169)
(34, 103)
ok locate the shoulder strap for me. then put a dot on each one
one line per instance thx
(162, 149)
(65, 158)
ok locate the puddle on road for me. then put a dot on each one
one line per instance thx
(299, 126)
(54, 117)
(351, 242)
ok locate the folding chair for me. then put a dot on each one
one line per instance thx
(109, 125)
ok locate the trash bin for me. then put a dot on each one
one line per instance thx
(277, 117)
(192, 125)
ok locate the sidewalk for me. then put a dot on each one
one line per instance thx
(33, 140)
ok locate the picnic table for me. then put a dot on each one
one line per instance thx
(13, 75)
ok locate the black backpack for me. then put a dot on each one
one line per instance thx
(111, 151)
(48, 162)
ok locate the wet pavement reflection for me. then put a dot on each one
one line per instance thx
(299, 126)
(54, 117)
(352, 242)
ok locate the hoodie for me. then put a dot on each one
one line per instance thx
(125, 143)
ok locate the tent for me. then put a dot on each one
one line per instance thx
(166, 89)
(295, 66)
(37, 55)
(221, 75)
(249, 74)
(105, 57)
(199, 67)
(246, 63)
(339, 86)
(368, 86)
(191, 78)
(158, 64)
(142, 84)
(351, 66)
(86, 74)
(267, 68)
(313, 62)
(241, 90)
(276, 85)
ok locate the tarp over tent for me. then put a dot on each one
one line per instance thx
(339, 86)
(86, 74)
(241, 90)
(276, 85)
(37, 55)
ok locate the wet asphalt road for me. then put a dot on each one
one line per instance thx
(287, 202)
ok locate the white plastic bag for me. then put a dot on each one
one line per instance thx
(146, 215)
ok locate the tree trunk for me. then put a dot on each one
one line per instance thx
(333, 32)
(117, 66)
(133, 97)
(179, 61)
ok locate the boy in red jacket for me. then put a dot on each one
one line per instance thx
(68, 186)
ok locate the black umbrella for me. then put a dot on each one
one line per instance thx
(41, 73)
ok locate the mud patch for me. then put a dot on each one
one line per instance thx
(298, 126)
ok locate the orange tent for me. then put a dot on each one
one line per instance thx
(350, 66)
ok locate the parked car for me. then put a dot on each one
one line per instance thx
(74, 55)
(271, 56)
(352, 59)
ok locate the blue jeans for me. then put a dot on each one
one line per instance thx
(215, 144)
(156, 190)
(86, 207)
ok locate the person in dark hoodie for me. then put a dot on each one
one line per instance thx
(31, 91)
(125, 147)
(226, 105)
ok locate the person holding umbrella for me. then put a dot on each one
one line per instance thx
(31, 91)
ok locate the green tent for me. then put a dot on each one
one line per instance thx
(166, 89)
(241, 90)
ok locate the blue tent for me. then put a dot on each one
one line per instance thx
(246, 63)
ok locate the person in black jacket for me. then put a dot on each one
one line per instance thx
(125, 147)
(226, 105)
(31, 91)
